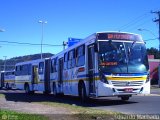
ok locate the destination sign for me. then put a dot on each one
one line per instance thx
(108, 63)
(119, 36)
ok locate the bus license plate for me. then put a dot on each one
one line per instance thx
(128, 89)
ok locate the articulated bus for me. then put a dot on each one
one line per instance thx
(103, 64)
(33, 75)
(7, 79)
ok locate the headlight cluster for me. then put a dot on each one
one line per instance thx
(103, 78)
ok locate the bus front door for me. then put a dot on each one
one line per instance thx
(91, 70)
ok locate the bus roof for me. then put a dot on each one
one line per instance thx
(30, 62)
(91, 39)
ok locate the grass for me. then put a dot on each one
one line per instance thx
(12, 115)
(81, 113)
(75, 113)
(2, 95)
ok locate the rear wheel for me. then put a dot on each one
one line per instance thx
(7, 86)
(54, 89)
(26, 88)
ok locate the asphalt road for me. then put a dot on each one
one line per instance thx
(136, 104)
(139, 104)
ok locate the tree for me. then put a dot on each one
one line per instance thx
(153, 51)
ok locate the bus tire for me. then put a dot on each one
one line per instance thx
(26, 88)
(54, 89)
(82, 92)
(124, 98)
(7, 86)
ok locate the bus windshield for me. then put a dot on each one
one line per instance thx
(122, 57)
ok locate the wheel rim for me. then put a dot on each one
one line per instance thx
(54, 90)
(27, 89)
(7, 86)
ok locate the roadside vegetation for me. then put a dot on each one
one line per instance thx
(12, 115)
(74, 112)
(2, 95)
(81, 113)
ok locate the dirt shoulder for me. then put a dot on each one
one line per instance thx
(54, 108)
(31, 108)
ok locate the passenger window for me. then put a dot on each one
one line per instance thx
(80, 55)
(54, 65)
(41, 68)
(65, 61)
(71, 59)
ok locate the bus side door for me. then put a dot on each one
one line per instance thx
(34, 79)
(91, 69)
(47, 88)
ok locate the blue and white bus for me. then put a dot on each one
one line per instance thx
(7, 79)
(104, 64)
(33, 75)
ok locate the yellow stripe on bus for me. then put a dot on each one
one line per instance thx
(9, 81)
(127, 78)
(96, 78)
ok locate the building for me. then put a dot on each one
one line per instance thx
(153, 65)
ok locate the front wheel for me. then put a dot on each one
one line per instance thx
(125, 98)
(82, 93)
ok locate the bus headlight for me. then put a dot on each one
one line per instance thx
(147, 79)
(103, 78)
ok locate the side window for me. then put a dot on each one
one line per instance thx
(17, 70)
(69, 64)
(51, 66)
(54, 65)
(71, 59)
(24, 69)
(41, 68)
(65, 61)
(29, 69)
(80, 55)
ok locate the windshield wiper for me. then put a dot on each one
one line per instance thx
(129, 48)
(112, 45)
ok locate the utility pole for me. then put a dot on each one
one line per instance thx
(42, 22)
(158, 21)
(64, 44)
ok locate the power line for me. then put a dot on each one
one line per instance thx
(151, 39)
(136, 20)
(138, 25)
(21, 43)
